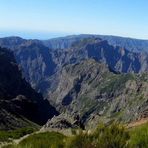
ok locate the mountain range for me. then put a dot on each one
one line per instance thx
(135, 45)
(98, 78)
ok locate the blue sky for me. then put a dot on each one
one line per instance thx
(50, 18)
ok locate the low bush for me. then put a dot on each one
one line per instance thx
(43, 140)
(112, 136)
(82, 140)
(15, 134)
(139, 137)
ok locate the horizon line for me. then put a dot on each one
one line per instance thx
(68, 35)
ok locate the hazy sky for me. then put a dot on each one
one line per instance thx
(50, 18)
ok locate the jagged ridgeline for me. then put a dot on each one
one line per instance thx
(20, 105)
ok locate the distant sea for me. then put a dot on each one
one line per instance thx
(33, 35)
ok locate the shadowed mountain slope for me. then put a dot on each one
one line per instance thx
(19, 103)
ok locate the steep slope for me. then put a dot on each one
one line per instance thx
(119, 59)
(39, 63)
(19, 103)
(95, 93)
(34, 58)
(36, 62)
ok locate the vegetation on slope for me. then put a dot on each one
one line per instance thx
(112, 136)
(139, 136)
(15, 134)
(42, 140)
(92, 91)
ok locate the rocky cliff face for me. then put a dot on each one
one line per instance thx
(34, 59)
(95, 93)
(19, 103)
(119, 59)
(37, 64)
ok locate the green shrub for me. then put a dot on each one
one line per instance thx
(43, 140)
(139, 137)
(15, 134)
(113, 136)
(82, 140)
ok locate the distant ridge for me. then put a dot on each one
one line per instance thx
(131, 44)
